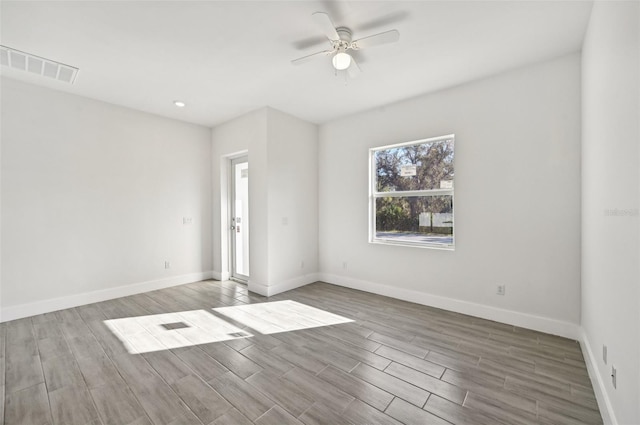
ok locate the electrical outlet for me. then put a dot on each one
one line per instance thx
(501, 289)
(187, 220)
(614, 376)
(344, 265)
(604, 353)
(167, 264)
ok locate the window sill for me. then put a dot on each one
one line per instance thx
(440, 247)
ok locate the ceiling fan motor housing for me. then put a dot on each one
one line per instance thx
(344, 33)
(345, 39)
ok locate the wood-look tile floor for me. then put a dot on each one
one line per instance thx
(397, 362)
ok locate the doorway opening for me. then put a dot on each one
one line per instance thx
(239, 223)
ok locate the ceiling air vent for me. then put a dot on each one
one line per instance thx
(36, 65)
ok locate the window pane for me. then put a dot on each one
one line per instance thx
(415, 219)
(417, 167)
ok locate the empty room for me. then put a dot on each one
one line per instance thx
(320, 212)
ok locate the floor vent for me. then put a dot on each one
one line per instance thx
(37, 65)
(173, 326)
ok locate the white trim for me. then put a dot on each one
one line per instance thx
(232, 213)
(407, 193)
(258, 288)
(374, 194)
(220, 275)
(287, 285)
(441, 246)
(61, 303)
(415, 142)
(529, 321)
(293, 283)
(599, 388)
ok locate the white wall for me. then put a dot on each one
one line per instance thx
(611, 181)
(247, 133)
(517, 199)
(93, 197)
(283, 189)
(293, 198)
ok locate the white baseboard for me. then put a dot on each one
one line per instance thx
(61, 303)
(529, 321)
(599, 388)
(287, 285)
(294, 283)
(258, 288)
(220, 275)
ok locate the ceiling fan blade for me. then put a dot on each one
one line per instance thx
(312, 56)
(375, 40)
(354, 69)
(326, 25)
(386, 20)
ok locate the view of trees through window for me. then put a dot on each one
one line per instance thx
(413, 192)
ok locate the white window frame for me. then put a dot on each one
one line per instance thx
(373, 195)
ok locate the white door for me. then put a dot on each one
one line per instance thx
(240, 219)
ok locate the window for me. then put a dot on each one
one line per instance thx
(412, 193)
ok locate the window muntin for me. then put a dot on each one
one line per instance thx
(412, 193)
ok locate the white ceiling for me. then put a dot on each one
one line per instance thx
(226, 58)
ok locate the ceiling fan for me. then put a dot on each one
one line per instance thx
(341, 42)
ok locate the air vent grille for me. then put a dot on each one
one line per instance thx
(37, 65)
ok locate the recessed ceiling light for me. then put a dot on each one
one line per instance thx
(179, 103)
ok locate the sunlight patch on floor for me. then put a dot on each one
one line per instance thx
(144, 334)
(280, 316)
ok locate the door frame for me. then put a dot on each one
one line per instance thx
(233, 274)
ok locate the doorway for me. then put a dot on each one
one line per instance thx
(239, 232)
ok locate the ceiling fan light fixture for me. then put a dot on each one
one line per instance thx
(341, 61)
(341, 42)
